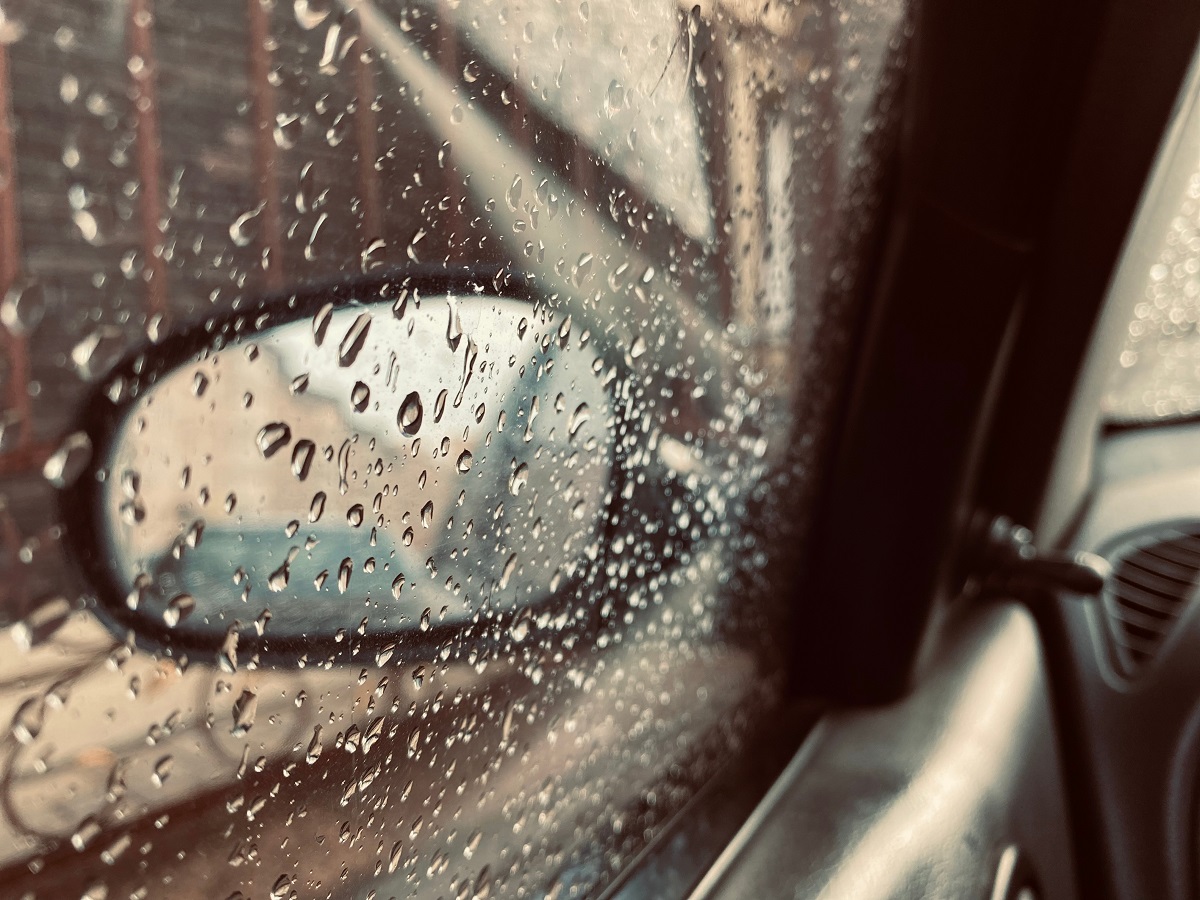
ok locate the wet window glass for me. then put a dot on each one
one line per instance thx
(1158, 377)
(405, 407)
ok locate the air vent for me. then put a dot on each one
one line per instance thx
(1154, 578)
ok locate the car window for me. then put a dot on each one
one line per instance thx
(407, 407)
(1158, 376)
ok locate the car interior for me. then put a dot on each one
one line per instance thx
(620, 449)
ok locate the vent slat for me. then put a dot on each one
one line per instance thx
(1153, 572)
(1155, 603)
(1187, 555)
(1153, 581)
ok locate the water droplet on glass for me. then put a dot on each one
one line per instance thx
(353, 342)
(513, 195)
(614, 98)
(244, 229)
(178, 608)
(372, 256)
(27, 721)
(397, 585)
(278, 580)
(23, 307)
(314, 746)
(520, 628)
(67, 463)
(360, 396)
(409, 417)
(520, 477)
(345, 570)
(317, 506)
(98, 352)
(288, 129)
(464, 461)
(354, 515)
(227, 655)
(578, 419)
(321, 323)
(302, 457)
(273, 437)
(87, 831)
(245, 708)
(110, 854)
(311, 13)
(162, 770)
(427, 514)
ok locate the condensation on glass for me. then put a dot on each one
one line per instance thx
(460, 583)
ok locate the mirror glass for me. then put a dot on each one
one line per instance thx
(415, 464)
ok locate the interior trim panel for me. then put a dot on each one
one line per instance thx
(933, 796)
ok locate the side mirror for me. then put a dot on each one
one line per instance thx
(399, 457)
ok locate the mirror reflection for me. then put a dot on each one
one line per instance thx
(412, 463)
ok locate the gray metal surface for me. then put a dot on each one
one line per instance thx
(921, 798)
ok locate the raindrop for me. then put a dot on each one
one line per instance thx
(87, 831)
(354, 515)
(638, 347)
(344, 572)
(583, 268)
(520, 477)
(273, 437)
(244, 229)
(162, 770)
(314, 746)
(317, 506)
(510, 566)
(409, 417)
(353, 342)
(68, 462)
(427, 514)
(302, 457)
(472, 843)
(27, 720)
(278, 580)
(310, 13)
(520, 628)
(244, 711)
(578, 418)
(288, 128)
(397, 585)
(513, 196)
(360, 396)
(371, 257)
(98, 352)
(227, 655)
(614, 98)
(23, 307)
(464, 461)
(178, 608)
(321, 323)
(113, 851)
